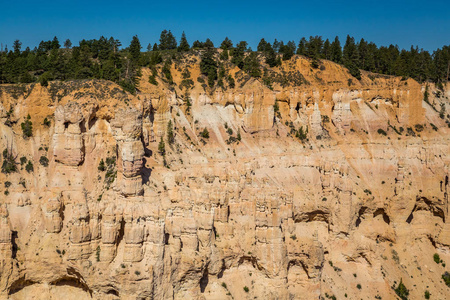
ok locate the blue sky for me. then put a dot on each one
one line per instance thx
(406, 23)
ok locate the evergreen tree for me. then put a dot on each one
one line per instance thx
(276, 45)
(238, 54)
(208, 44)
(251, 65)
(170, 135)
(135, 49)
(271, 56)
(336, 51)
(301, 49)
(55, 43)
(17, 45)
(167, 41)
(351, 57)
(226, 44)
(262, 45)
(208, 66)
(184, 45)
(314, 47)
(287, 52)
(326, 50)
(67, 44)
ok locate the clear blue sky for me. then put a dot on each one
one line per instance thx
(406, 23)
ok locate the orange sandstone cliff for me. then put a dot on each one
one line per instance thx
(355, 207)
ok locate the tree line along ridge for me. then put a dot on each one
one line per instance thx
(106, 59)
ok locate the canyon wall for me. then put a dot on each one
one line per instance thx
(332, 187)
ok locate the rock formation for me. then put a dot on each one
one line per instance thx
(329, 187)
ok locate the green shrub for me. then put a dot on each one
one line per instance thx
(9, 163)
(436, 258)
(246, 289)
(446, 278)
(43, 161)
(152, 80)
(110, 161)
(427, 295)
(205, 134)
(162, 147)
(358, 286)
(402, 291)
(23, 160)
(43, 80)
(382, 132)
(101, 166)
(170, 135)
(276, 107)
(368, 192)
(224, 285)
(46, 122)
(7, 184)
(418, 127)
(27, 127)
(29, 167)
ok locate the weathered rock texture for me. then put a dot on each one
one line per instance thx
(252, 211)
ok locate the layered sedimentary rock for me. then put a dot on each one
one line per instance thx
(332, 187)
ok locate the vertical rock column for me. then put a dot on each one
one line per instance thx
(52, 215)
(110, 233)
(5, 235)
(134, 233)
(80, 233)
(5, 249)
(68, 144)
(127, 130)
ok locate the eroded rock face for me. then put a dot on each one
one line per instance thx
(255, 210)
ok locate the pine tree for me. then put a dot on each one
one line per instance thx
(208, 66)
(351, 58)
(184, 45)
(271, 56)
(276, 45)
(301, 49)
(208, 44)
(336, 51)
(262, 45)
(17, 45)
(251, 65)
(226, 44)
(326, 50)
(167, 41)
(67, 44)
(135, 49)
(238, 54)
(55, 43)
(170, 135)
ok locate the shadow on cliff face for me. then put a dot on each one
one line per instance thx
(204, 280)
(15, 248)
(18, 285)
(145, 172)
